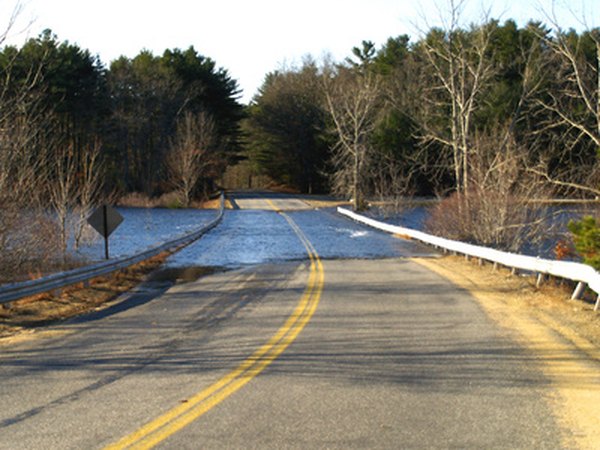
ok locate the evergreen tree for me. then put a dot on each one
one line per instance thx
(286, 127)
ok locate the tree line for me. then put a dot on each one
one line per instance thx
(430, 108)
(489, 116)
(73, 132)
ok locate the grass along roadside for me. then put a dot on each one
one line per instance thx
(29, 314)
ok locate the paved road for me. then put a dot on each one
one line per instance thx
(326, 336)
(266, 201)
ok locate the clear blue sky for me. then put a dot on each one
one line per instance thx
(253, 37)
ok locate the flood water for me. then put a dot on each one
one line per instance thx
(556, 216)
(255, 236)
(144, 228)
(258, 236)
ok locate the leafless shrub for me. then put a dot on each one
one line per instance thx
(90, 172)
(392, 184)
(174, 199)
(501, 209)
(137, 200)
(62, 188)
(24, 252)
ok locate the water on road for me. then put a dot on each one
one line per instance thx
(261, 236)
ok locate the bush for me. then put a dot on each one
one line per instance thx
(500, 205)
(586, 236)
(30, 244)
(492, 219)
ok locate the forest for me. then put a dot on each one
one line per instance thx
(490, 118)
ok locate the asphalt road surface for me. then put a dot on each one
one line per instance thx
(313, 332)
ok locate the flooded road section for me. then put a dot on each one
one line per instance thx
(256, 236)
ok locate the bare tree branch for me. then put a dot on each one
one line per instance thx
(353, 98)
(190, 152)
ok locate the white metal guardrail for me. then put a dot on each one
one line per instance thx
(581, 273)
(15, 291)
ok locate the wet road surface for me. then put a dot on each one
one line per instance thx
(316, 333)
(262, 236)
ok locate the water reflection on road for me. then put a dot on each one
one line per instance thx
(261, 236)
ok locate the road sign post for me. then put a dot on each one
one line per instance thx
(105, 220)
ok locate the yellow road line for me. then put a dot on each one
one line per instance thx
(177, 418)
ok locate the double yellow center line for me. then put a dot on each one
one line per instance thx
(177, 418)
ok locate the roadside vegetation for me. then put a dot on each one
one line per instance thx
(488, 116)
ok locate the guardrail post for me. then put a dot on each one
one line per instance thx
(539, 281)
(578, 291)
(556, 270)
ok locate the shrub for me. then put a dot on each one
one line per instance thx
(500, 207)
(30, 243)
(586, 236)
(493, 219)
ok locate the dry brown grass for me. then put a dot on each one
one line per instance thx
(214, 203)
(168, 200)
(550, 303)
(32, 312)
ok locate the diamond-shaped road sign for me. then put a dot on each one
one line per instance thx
(105, 220)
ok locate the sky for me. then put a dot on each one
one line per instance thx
(251, 38)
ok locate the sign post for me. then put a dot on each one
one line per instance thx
(105, 220)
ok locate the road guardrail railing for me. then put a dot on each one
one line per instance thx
(15, 291)
(583, 274)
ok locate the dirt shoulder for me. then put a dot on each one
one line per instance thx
(28, 315)
(562, 335)
(518, 294)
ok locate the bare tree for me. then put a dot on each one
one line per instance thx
(461, 67)
(574, 105)
(26, 231)
(502, 208)
(353, 98)
(190, 152)
(90, 187)
(62, 186)
(11, 22)
(392, 182)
